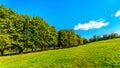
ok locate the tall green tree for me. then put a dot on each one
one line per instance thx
(5, 43)
(105, 37)
(53, 37)
(68, 38)
(113, 35)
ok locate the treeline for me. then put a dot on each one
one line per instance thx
(104, 37)
(22, 33)
(19, 33)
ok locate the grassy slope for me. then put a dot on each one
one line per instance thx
(103, 54)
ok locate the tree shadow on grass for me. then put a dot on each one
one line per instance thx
(16, 53)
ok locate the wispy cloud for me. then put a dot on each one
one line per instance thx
(94, 24)
(117, 13)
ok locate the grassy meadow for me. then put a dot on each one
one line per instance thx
(101, 54)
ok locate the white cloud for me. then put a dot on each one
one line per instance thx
(91, 25)
(117, 13)
(118, 32)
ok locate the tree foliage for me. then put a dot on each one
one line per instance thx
(21, 32)
(68, 38)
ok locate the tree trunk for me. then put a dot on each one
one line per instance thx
(54, 46)
(45, 48)
(2, 52)
(41, 48)
(20, 50)
(32, 49)
(59, 46)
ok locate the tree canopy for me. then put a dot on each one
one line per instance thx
(21, 32)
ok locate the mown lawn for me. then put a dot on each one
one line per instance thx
(102, 54)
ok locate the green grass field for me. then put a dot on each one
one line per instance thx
(102, 54)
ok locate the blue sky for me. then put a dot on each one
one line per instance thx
(86, 17)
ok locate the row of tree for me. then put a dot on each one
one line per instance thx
(19, 32)
(104, 37)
